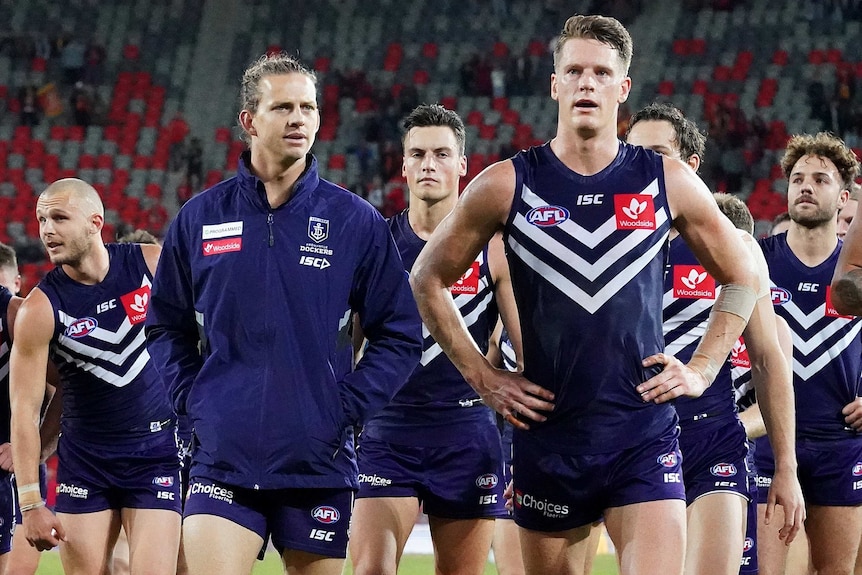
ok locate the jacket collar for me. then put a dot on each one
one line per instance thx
(252, 185)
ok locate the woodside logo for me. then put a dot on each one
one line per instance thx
(211, 248)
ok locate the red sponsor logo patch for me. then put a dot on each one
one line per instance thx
(213, 247)
(692, 282)
(830, 309)
(469, 282)
(136, 303)
(634, 212)
(739, 355)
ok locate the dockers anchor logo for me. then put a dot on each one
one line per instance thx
(318, 229)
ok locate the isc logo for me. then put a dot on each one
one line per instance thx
(106, 305)
(809, 287)
(487, 499)
(82, 327)
(326, 514)
(672, 478)
(590, 199)
(547, 216)
(165, 495)
(321, 535)
(311, 261)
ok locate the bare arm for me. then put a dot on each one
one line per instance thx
(847, 279)
(721, 251)
(151, 256)
(49, 431)
(771, 373)
(752, 421)
(480, 213)
(505, 296)
(27, 384)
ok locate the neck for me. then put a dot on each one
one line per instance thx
(278, 178)
(585, 155)
(92, 268)
(425, 216)
(812, 245)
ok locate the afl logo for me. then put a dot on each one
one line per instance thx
(723, 470)
(667, 460)
(748, 545)
(547, 216)
(780, 296)
(326, 514)
(857, 469)
(82, 327)
(487, 481)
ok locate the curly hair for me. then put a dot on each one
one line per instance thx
(822, 145)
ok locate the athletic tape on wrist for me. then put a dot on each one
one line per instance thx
(30, 506)
(30, 496)
(736, 299)
(710, 370)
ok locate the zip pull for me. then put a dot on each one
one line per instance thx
(269, 223)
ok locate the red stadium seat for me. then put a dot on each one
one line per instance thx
(337, 162)
(430, 50)
(666, 88)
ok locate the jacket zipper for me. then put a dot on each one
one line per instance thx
(269, 224)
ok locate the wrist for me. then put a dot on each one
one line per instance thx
(32, 506)
(30, 496)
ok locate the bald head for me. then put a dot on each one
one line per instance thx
(79, 194)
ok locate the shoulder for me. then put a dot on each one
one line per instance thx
(35, 318)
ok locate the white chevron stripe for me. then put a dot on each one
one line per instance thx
(799, 316)
(432, 352)
(135, 346)
(576, 262)
(587, 238)
(697, 307)
(819, 337)
(680, 343)
(108, 376)
(100, 333)
(805, 372)
(590, 303)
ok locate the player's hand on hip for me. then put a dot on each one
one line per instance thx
(675, 379)
(6, 457)
(853, 414)
(42, 528)
(515, 397)
(787, 492)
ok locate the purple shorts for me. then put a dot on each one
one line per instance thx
(462, 481)
(8, 507)
(715, 460)
(748, 565)
(557, 492)
(93, 477)
(310, 520)
(830, 472)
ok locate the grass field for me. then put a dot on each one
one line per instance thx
(410, 565)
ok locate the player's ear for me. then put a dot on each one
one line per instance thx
(246, 120)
